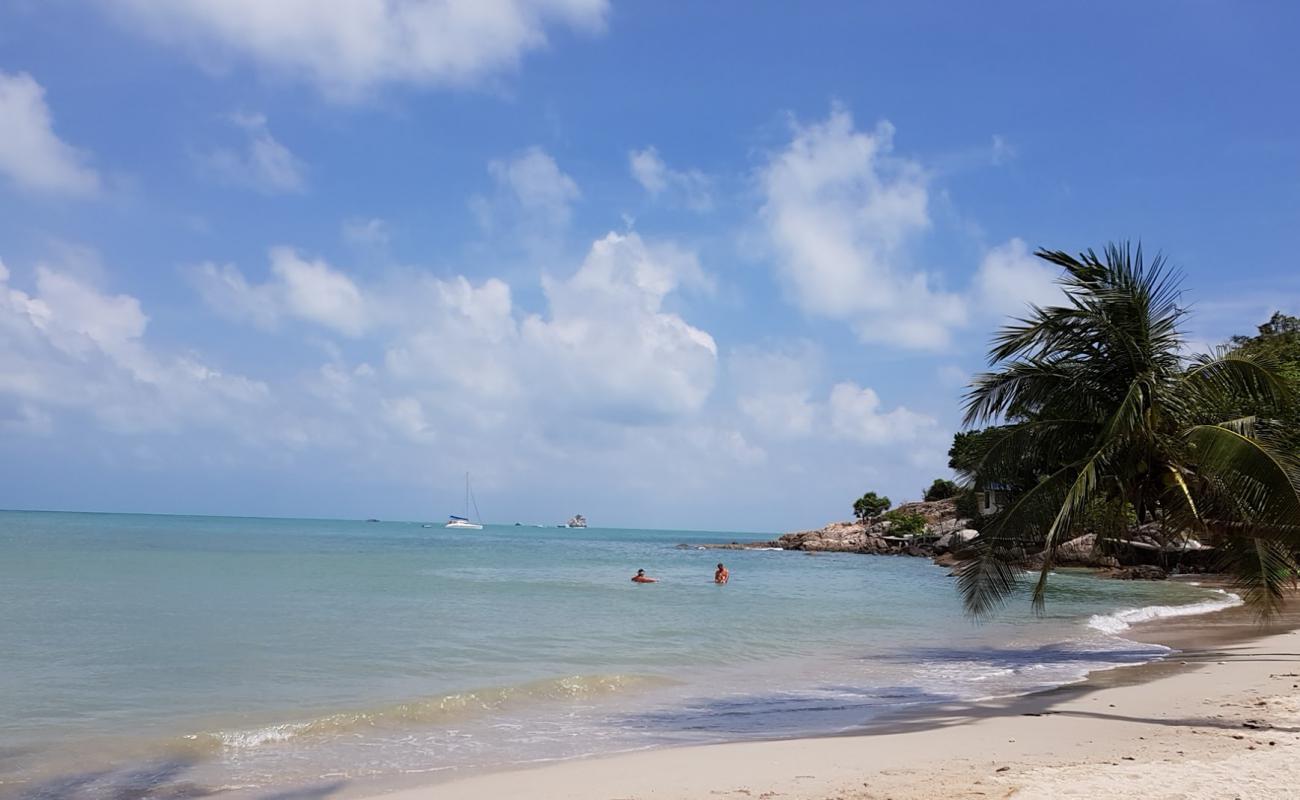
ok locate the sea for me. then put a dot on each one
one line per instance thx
(173, 656)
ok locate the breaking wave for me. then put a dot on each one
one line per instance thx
(1121, 621)
(448, 708)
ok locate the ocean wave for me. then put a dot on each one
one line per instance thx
(448, 708)
(1121, 621)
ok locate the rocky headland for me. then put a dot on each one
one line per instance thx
(1141, 555)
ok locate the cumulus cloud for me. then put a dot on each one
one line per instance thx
(1010, 279)
(605, 346)
(774, 388)
(69, 345)
(366, 232)
(840, 209)
(690, 188)
(609, 344)
(845, 216)
(347, 48)
(310, 290)
(777, 392)
(532, 188)
(855, 412)
(315, 291)
(31, 154)
(263, 164)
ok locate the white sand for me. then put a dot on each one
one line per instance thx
(1161, 731)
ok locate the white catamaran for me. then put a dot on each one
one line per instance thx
(463, 523)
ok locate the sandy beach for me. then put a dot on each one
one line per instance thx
(1220, 719)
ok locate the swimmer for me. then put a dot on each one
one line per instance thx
(721, 576)
(640, 577)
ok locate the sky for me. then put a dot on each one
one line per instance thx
(718, 265)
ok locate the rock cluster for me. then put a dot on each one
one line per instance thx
(944, 531)
(1139, 557)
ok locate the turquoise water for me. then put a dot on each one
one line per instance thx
(257, 653)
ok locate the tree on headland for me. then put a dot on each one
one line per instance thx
(905, 523)
(1278, 341)
(869, 506)
(941, 489)
(1096, 410)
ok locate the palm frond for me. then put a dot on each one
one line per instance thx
(1262, 570)
(1081, 492)
(1244, 379)
(1262, 480)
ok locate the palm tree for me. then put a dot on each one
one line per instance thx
(1100, 407)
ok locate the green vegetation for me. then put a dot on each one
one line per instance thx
(869, 506)
(1096, 414)
(941, 490)
(1278, 343)
(905, 523)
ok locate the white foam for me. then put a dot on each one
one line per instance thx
(259, 736)
(1122, 620)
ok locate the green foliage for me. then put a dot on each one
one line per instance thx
(968, 508)
(905, 523)
(967, 449)
(941, 490)
(870, 506)
(1278, 344)
(1098, 419)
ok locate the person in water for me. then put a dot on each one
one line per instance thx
(641, 577)
(721, 576)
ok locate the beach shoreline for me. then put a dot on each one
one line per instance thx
(1221, 717)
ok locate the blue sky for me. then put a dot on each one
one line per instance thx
(717, 265)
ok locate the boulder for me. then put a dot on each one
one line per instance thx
(1080, 552)
(1141, 572)
(954, 540)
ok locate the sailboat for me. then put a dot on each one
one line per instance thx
(463, 523)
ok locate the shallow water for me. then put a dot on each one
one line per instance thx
(231, 652)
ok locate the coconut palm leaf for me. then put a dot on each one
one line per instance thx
(1262, 481)
(1262, 571)
(1098, 408)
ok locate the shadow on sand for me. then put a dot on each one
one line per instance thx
(155, 780)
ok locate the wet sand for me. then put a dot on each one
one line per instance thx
(1219, 719)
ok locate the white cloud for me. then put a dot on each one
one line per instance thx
(1001, 151)
(952, 376)
(606, 346)
(363, 232)
(777, 393)
(774, 389)
(315, 291)
(310, 290)
(452, 334)
(534, 185)
(691, 188)
(855, 413)
(225, 290)
(608, 343)
(69, 345)
(350, 47)
(264, 164)
(1010, 279)
(840, 209)
(31, 154)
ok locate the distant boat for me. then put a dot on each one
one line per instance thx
(578, 521)
(463, 523)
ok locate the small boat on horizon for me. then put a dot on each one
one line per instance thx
(457, 522)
